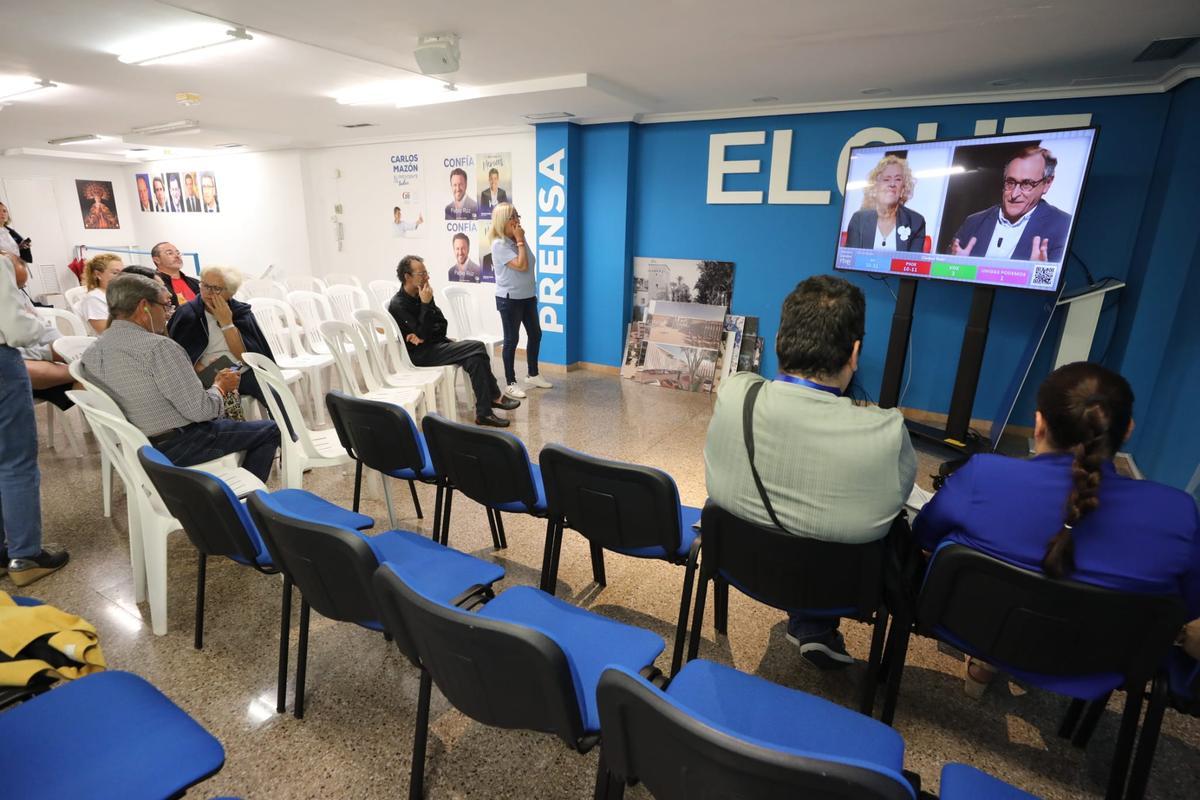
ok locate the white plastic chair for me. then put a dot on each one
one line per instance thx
(72, 347)
(382, 293)
(278, 322)
(75, 367)
(311, 309)
(463, 313)
(347, 347)
(74, 296)
(253, 288)
(154, 522)
(344, 300)
(304, 283)
(314, 448)
(342, 279)
(68, 322)
(382, 338)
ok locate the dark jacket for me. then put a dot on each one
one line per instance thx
(189, 327)
(193, 283)
(26, 253)
(1047, 222)
(424, 319)
(861, 230)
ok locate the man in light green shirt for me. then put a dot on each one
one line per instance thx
(832, 470)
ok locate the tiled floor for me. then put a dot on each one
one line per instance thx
(356, 737)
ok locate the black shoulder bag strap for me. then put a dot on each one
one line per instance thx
(748, 435)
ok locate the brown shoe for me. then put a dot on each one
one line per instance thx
(25, 571)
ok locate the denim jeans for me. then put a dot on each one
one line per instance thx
(514, 314)
(806, 628)
(20, 480)
(205, 441)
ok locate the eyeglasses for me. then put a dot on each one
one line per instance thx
(1025, 185)
(208, 287)
(167, 307)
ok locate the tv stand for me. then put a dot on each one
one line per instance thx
(957, 436)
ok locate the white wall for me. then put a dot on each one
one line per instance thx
(262, 217)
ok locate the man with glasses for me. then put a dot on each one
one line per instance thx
(423, 327)
(153, 381)
(1022, 225)
(169, 263)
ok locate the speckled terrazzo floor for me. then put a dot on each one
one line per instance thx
(356, 737)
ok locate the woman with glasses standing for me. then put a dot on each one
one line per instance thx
(516, 295)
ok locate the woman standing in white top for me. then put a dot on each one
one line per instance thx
(516, 297)
(97, 273)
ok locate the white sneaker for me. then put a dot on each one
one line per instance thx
(513, 390)
(539, 382)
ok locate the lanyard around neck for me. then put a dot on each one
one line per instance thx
(820, 387)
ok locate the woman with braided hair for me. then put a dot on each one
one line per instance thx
(1066, 511)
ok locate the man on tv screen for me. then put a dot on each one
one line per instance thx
(1022, 225)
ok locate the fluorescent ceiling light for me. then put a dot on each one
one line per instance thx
(169, 45)
(177, 126)
(15, 86)
(83, 138)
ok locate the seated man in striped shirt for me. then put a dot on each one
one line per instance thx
(152, 379)
(831, 470)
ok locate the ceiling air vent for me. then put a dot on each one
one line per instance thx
(360, 125)
(1167, 49)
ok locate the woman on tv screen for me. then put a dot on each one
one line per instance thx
(884, 222)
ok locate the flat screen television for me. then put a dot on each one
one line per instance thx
(990, 210)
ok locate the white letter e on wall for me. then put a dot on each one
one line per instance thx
(719, 167)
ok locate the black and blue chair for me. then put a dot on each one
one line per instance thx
(332, 567)
(1176, 686)
(1071, 638)
(217, 523)
(794, 573)
(626, 508)
(383, 437)
(491, 467)
(522, 660)
(108, 735)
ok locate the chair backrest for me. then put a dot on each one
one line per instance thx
(72, 347)
(612, 503)
(382, 292)
(67, 322)
(1028, 621)
(792, 572)
(311, 309)
(393, 347)
(344, 300)
(381, 435)
(304, 283)
(280, 400)
(74, 296)
(254, 288)
(461, 310)
(491, 467)
(343, 342)
(94, 404)
(331, 566)
(341, 279)
(376, 351)
(647, 735)
(209, 511)
(497, 673)
(278, 323)
(84, 379)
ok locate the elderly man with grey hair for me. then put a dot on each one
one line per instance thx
(153, 381)
(215, 325)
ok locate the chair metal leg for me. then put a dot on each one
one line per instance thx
(437, 512)
(285, 625)
(301, 658)
(685, 600)
(387, 499)
(697, 617)
(558, 537)
(547, 555)
(1139, 774)
(1087, 725)
(416, 780)
(446, 515)
(1129, 723)
(1071, 718)
(491, 515)
(358, 468)
(500, 530)
(871, 679)
(897, 650)
(412, 488)
(201, 568)
(720, 605)
(597, 553)
(608, 786)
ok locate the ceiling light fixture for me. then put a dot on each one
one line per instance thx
(80, 139)
(16, 87)
(548, 115)
(152, 52)
(876, 92)
(766, 98)
(177, 126)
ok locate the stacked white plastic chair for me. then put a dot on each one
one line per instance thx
(304, 283)
(312, 308)
(149, 521)
(463, 313)
(344, 300)
(312, 448)
(68, 324)
(382, 293)
(74, 296)
(346, 345)
(253, 288)
(389, 358)
(342, 279)
(279, 325)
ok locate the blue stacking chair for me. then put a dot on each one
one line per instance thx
(626, 508)
(1176, 686)
(522, 660)
(962, 782)
(108, 735)
(383, 437)
(333, 566)
(491, 467)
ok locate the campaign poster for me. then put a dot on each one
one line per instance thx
(493, 174)
(460, 188)
(407, 211)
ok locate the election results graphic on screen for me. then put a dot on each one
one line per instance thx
(995, 210)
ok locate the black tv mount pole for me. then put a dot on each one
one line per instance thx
(957, 435)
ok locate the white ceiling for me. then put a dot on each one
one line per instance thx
(652, 59)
